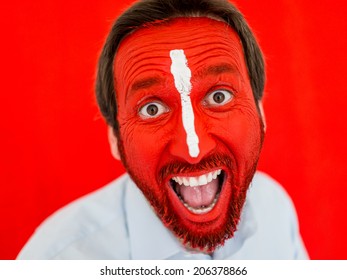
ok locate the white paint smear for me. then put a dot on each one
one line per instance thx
(182, 75)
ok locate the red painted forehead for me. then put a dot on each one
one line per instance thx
(206, 42)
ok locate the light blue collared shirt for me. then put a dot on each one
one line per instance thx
(117, 222)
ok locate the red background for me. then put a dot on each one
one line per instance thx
(53, 140)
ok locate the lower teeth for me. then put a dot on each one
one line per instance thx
(203, 209)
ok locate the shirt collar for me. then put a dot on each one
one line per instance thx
(150, 239)
(246, 228)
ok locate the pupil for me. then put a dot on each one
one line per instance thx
(152, 110)
(218, 97)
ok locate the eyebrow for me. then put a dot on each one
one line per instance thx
(219, 69)
(145, 83)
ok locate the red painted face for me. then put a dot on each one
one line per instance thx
(190, 132)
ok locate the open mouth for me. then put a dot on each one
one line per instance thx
(199, 194)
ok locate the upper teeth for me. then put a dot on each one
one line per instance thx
(197, 181)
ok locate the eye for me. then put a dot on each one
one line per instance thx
(152, 110)
(218, 97)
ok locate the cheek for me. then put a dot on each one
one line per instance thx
(240, 131)
(144, 146)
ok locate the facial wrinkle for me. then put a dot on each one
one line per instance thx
(228, 134)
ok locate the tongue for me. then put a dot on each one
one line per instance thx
(200, 196)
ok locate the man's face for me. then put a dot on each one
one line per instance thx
(190, 132)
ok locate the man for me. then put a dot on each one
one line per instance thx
(180, 85)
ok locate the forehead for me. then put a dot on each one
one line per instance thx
(206, 43)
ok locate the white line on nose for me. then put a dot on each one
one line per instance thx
(182, 76)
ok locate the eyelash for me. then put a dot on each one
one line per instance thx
(228, 95)
(162, 108)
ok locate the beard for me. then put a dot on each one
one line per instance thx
(205, 236)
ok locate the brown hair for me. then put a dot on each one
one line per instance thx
(149, 11)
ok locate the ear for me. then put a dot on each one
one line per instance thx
(113, 141)
(262, 114)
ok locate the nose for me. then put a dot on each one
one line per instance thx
(179, 145)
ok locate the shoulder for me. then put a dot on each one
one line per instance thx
(270, 201)
(264, 189)
(277, 234)
(93, 227)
